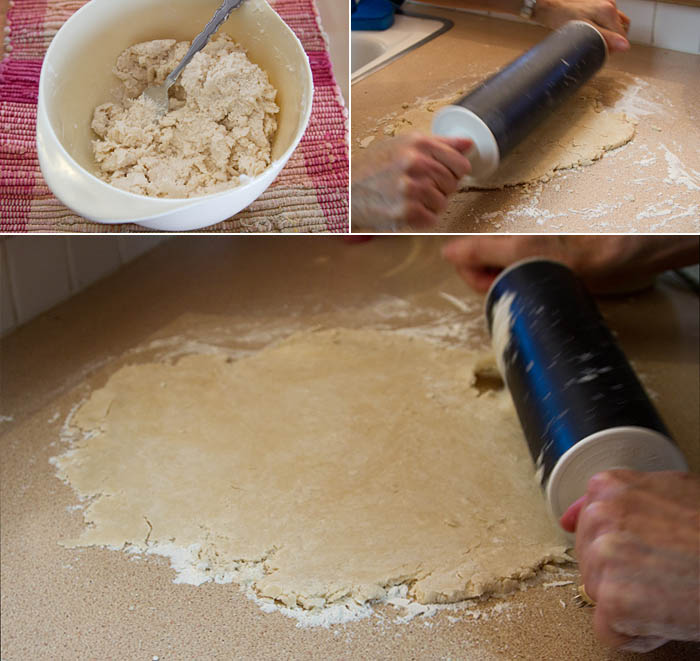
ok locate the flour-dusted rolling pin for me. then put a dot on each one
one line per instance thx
(505, 108)
(580, 404)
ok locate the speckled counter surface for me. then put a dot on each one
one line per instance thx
(637, 188)
(64, 604)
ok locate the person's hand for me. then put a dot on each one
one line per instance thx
(406, 181)
(607, 264)
(603, 14)
(638, 549)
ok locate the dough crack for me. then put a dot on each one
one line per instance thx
(150, 530)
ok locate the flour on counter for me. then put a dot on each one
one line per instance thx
(600, 210)
(557, 584)
(677, 174)
(635, 105)
(529, 209)
(462, 305)
(218, 130)
(667, 211)
(191, 571)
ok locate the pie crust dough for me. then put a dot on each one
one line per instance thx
(220, 124)
(342, 462)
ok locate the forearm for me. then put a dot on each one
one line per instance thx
(672, 252)
(639, 256)
(603, 14)
(608, 263)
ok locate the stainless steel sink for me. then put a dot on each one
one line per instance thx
(372, 50)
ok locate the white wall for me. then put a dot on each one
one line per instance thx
(660, 24)
(38, 272)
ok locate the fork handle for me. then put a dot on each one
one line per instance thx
(201, 40)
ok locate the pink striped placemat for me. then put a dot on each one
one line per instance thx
(309, 195)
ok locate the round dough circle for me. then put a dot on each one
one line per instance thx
(343, 462)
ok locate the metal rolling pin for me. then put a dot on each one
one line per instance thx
(505, 108)
(580, 404)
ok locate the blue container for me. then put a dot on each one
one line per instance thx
(372, 15)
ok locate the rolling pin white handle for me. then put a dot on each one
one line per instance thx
(459, 122)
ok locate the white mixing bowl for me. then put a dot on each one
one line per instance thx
(77, 76)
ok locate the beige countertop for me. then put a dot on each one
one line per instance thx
(60, 603)
(636, 188)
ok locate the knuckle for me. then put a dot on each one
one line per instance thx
(418, 164)
(408, 158)
(598, 481)
(605, 547)
(408, 188)
(603, 516)
(607, 479)
(610, 11)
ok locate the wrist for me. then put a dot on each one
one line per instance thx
(527, 9)
(542, 11)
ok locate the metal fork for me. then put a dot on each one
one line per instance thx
(159, 93)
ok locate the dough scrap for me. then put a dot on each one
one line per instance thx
(220, 124)
(344, 461)
(577, 134)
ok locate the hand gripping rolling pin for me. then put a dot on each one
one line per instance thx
(580, 404)
(503, 109)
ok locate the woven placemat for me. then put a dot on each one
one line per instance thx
(309, 195)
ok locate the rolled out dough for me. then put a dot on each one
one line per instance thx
(341, 462)
(578, 133)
